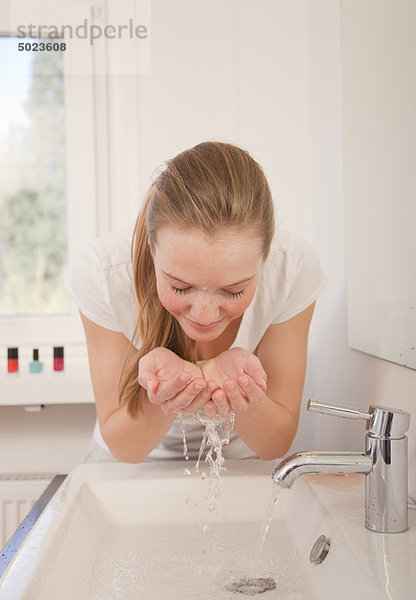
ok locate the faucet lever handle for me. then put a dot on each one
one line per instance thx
(347, 412)
(382, 422)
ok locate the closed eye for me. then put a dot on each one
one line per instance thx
(184, 290)
(236, 294)
(179, 290)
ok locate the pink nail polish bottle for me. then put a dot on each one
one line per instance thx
(58, 358)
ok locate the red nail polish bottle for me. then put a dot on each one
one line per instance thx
(58, 358)
(12, 360)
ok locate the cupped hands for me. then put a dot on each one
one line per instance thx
(233, 380)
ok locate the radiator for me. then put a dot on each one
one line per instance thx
(18, 493)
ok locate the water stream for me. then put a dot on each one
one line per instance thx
(274, 498)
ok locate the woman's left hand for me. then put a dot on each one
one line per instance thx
(241, 378)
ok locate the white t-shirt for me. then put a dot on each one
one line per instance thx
(101, 285)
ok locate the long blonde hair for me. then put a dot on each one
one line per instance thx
(208, 187)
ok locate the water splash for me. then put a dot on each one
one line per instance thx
(216, 435)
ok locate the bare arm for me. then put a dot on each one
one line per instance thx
(160, 372)
(264, 391)
(129, 440)
(269, 426)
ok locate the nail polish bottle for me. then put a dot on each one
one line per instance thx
(58, 358)
(13, 360)
(35, 366)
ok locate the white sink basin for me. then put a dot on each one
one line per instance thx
(117, 531)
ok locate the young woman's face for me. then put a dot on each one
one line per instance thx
(206, 282)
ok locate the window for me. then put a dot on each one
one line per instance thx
(33, 186)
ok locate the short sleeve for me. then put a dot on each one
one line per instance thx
(306, 281)
(87, 285)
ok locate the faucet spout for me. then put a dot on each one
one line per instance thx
(329, 463)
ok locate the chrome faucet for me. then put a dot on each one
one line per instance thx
(384, 463)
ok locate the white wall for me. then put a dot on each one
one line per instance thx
(336, 372)
(265, 75)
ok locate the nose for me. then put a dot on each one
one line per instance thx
(204, 309)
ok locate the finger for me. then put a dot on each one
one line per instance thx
(185, 397)
(221, 402)
(210, 409)
(148, 366)
(147, 379)
(263, 385)
(235, 396)
(150, 384)
(170, 388)
(251, 390)
(258, 374)
(202, 398)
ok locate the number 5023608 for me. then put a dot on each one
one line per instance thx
(41, 46)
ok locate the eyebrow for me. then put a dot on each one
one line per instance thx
(225, 286)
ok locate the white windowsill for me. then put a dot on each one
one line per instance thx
(72, 386)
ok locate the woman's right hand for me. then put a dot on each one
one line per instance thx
(173, 383)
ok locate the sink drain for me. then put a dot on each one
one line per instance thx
(252, 586)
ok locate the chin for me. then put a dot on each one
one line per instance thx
(201, 336)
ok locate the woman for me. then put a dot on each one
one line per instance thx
(210, 313)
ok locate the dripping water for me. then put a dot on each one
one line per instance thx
(184, 444)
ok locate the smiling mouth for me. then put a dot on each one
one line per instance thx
(203, 327)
